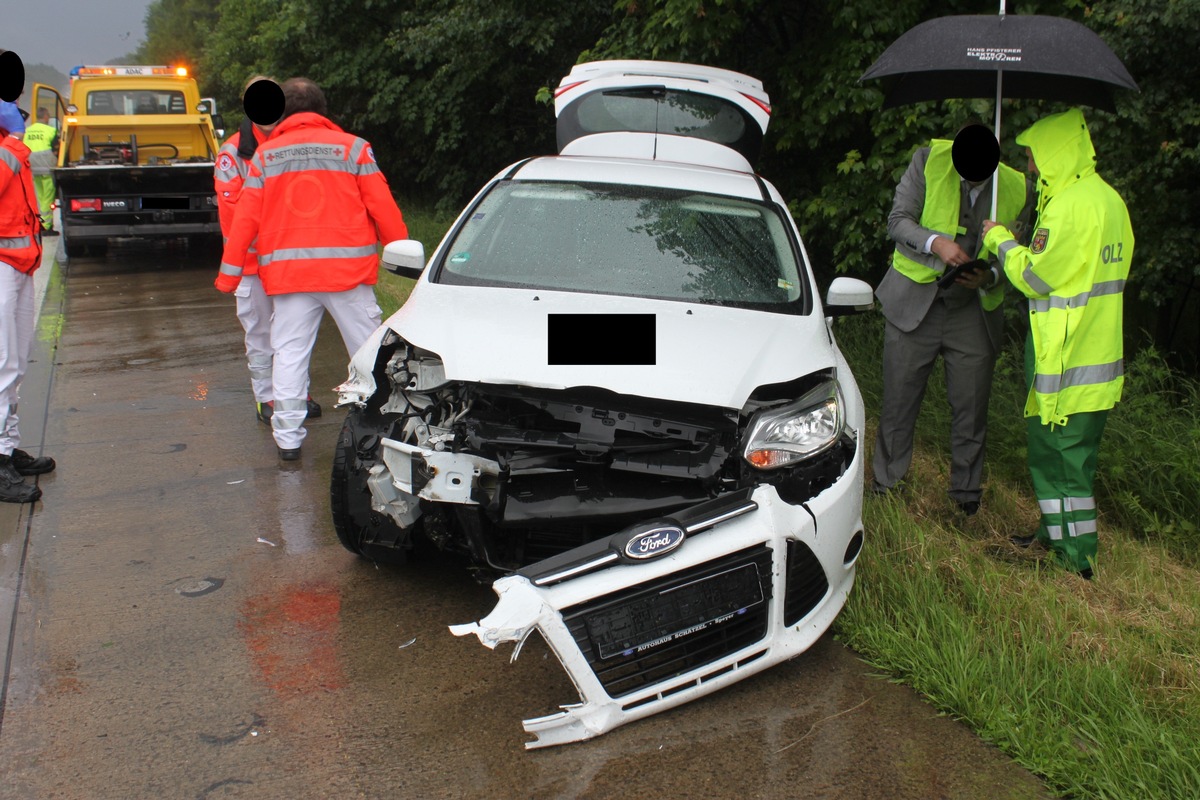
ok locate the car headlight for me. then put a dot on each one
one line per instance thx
(798, 431)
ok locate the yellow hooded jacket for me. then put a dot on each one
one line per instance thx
(1073, 272)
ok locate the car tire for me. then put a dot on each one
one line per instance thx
(361, 530)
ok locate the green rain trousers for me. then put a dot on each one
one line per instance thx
(1062, 464)
(43, 187)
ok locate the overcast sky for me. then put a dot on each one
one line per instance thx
(66, 33)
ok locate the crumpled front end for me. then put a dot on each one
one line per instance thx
(752, 581)
(663, 549)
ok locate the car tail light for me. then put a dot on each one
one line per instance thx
(757, 102)
(563, 89)
(90, 204)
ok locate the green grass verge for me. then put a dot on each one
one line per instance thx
(1093, 685)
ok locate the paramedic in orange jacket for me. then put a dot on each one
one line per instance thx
(20, 256)
(263, 102)
(315, 205)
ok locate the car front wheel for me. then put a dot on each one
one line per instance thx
(359, 528)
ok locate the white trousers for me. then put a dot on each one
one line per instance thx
(254, 309)
(293, 334)
(16, 337)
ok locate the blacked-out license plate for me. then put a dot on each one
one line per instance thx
(649, 621)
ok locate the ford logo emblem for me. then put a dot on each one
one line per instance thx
(654, 542)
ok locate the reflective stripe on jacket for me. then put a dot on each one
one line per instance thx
(1073, 272)
(942, 209)
(20, 223)
(229, 174)
(319, 206)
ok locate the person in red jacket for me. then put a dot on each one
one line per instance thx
(316, 206)
(263, 102)
(20, 255)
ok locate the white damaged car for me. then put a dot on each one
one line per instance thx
(616, 390)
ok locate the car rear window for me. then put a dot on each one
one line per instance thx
(655, 109)
(628, 240)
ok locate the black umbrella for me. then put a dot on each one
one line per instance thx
(1050, 58)
(1002, 55)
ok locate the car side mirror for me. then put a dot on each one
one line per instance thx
(848, 296)
(404, 257)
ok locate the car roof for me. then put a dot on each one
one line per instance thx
(679, 175)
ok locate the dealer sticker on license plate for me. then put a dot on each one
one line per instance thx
(652, 620)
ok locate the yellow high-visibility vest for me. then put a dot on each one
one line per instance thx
(942, 209)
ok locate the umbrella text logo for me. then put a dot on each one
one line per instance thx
(994, 53)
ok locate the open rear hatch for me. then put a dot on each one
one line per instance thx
(715, 105)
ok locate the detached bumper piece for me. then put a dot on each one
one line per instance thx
(746, 587)
(653, 632)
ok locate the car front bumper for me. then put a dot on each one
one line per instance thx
(737, 597)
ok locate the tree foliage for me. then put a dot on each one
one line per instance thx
(1151, 150)
(446, 89)
(176, 31)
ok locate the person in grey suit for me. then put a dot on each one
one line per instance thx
(937, 214)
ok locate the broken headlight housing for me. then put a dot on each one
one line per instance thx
(781, 437)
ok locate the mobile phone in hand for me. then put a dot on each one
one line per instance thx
(949, 277)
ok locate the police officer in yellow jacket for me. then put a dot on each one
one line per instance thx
(1073, 272)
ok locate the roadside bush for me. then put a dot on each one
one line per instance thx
(1150, 457)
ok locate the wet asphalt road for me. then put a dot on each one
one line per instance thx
(180, 621)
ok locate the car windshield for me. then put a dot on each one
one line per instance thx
(628, 240)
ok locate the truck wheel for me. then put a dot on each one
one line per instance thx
(360, 529)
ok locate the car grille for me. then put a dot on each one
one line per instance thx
(650, 633)
(805, 584)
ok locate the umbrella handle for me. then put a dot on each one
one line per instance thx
(999, 84)
(996, 174)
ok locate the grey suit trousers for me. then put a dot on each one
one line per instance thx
(958, 334)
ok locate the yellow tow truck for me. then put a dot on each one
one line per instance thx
(135, 158)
